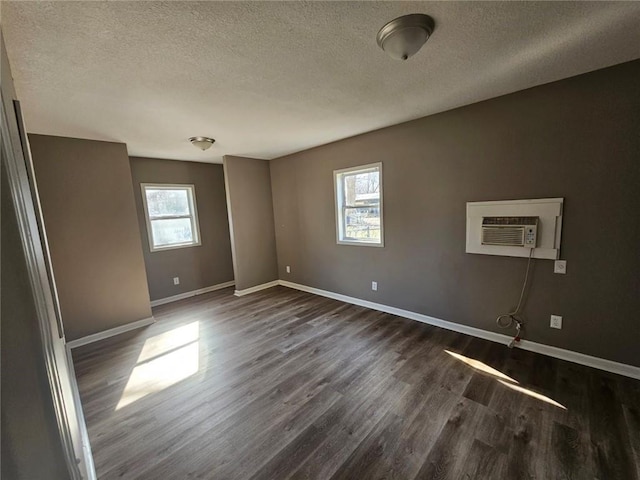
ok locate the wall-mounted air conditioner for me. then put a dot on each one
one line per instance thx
(513, 227)
(510, 231)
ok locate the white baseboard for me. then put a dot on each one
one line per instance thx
(192, 293)
(84, 434)
(562, 354)
(257, 288)
(110, 333)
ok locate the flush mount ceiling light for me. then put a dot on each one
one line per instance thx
(404, 36)
(201, 142)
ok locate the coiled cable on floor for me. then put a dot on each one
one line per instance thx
(506, 320)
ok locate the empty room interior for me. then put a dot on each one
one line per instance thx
(320, 240)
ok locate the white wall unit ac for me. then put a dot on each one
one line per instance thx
(548, 230)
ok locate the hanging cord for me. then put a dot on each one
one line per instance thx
(506, 320)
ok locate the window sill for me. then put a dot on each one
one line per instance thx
(360, 244)
(175, 247)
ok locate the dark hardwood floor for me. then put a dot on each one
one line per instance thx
(283, 384)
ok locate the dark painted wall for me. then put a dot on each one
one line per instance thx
(29, 428)
(578, 138)
(92, 226)
(198, 267)
(253, 243)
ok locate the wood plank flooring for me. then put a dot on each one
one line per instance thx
(283, 384)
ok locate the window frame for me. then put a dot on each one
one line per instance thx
(193, 216)
(339, 198)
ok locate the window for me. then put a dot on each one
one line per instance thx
(359, 205)
(172, 217)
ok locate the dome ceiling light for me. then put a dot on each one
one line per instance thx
(404, 36)
(202, 142)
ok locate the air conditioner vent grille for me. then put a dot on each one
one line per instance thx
(509, 236)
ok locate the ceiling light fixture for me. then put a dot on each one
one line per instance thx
(402, 37)
(201, 142)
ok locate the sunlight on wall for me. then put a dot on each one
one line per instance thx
(510, 382)
(165, 360)
(483, 367)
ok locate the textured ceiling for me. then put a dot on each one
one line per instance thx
(270, 78)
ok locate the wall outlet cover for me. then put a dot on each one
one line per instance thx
(560, 266)
(374, 286)
(556, 321)
(288, 269)
(176, 280)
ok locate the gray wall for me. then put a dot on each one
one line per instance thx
(31, 448)
(91, 221)
(198, 267)
(578, 138)
(29, 429)
(248, 185)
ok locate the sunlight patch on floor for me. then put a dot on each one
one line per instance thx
(533, 394)
(170, 340)
(503, 379)
(483, 367)
(164, 360)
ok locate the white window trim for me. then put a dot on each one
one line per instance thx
(195, 224)
(338, 198)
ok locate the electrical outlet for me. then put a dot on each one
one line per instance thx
(374, 286)
(556, 322)
(288, 269)
(560, 266)
(176, 280)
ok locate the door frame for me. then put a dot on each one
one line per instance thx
(62, 383)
